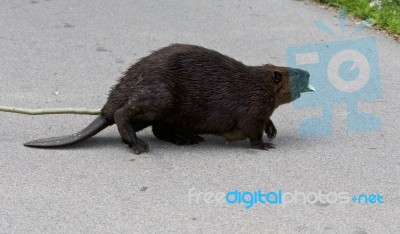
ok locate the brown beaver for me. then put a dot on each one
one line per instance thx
(186, 90)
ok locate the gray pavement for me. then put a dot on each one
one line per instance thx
(69, 54)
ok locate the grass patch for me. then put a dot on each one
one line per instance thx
(388, 17)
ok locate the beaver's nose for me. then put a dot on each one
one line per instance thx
(306, 76)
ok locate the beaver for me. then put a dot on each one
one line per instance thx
(183, 91)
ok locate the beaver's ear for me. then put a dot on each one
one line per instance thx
(277, 76)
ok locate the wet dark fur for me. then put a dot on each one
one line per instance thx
(185, 90)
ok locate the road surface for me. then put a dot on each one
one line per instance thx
(69, 54)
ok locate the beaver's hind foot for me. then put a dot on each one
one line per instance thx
(168, 134)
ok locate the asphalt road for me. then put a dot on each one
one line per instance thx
(69, 54)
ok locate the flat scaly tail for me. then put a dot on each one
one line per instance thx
(92, 129)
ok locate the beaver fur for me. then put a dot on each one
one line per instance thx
(183, 91)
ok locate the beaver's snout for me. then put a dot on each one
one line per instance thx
(304, 79)
(299, 82)
(298, 79)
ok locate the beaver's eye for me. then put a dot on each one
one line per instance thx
(277, 77)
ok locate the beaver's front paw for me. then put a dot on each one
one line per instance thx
(270, 130)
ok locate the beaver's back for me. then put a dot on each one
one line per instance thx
(205, 91)
(212, 91)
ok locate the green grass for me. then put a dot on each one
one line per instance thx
(388, 17)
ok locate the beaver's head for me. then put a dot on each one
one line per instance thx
(288, 83)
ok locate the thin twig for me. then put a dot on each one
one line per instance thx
(49, 111)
